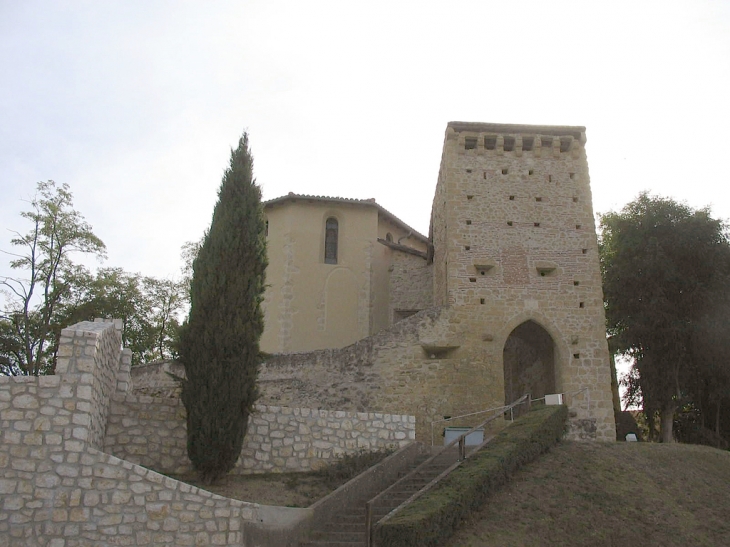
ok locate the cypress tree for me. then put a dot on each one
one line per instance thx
(219, 344)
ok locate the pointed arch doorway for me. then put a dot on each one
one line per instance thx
(529, 362)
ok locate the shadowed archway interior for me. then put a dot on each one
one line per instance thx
(529, 362)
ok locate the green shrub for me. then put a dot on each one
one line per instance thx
(433, 517)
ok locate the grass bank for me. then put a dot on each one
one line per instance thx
(595, 494)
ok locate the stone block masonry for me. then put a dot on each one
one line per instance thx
(59, 489)
(151, 431)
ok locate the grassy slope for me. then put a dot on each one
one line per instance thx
(586, 494)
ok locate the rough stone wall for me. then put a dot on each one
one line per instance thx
(411, 283)
(151, 431)
(157, 379)
(522, 246)
(439, 362)
(57, 490)
(438, 232)
(416, 367)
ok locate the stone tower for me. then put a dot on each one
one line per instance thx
(515, 251)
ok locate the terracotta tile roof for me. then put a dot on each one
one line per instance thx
(291, 196)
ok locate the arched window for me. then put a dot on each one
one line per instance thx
(330, 241)
(389, 237)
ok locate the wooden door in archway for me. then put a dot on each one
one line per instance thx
(529, 362)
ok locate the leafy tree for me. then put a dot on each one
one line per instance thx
(148, 308)
(664, 266)
(165, 298)
(33, 301)
(112, 292)
(56, 292)
(219, 344)
(188, 254)
(710, 386)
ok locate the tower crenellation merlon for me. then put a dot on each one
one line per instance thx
(498, 139)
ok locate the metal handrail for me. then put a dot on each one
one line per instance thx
(461, 441)
(502, 408)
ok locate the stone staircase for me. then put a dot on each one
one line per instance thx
(346, 527)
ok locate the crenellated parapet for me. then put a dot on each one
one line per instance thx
(500, 139)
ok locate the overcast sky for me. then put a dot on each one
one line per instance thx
(136, 104)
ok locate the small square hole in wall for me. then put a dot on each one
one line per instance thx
(550, 178)
(473, 279)
(582, 305)
(469, 197)
(576, 283)
(537, 224)
(572, 175)
(511, 198)
(468, 170)
(485, 175)
(576, 356)
(577, 226)
(468, 222)
(585, 251)
(531, 172)
(505, 171)
(482, 301)
(538, 199)
(467, 248)
(509, 223)
(575, 200)
(482, 272)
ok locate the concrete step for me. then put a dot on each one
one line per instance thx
(346, 528)
(310, 543)
(322, 535)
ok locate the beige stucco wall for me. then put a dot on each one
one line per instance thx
(313, 305)
(309, 304)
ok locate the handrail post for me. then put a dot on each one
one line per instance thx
(368, 523)
(529, 402)
(462, 448)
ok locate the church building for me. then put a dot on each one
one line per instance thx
(502, 298)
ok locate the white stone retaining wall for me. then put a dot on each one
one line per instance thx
(302, 439)
(151, 431)
(58, 490)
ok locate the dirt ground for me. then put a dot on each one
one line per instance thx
(287, 489)
(292, 489)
